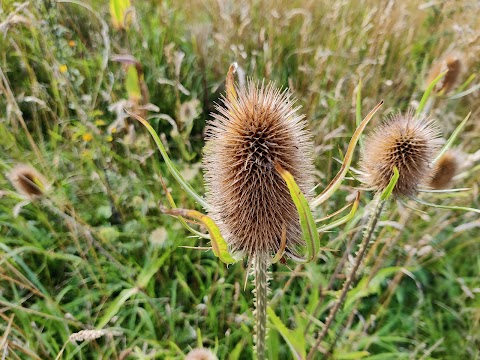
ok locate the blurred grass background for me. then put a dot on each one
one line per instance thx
(97, 253)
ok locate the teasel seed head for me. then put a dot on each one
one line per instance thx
(249, 200)
(453, 64)
(444, 170)
(28, 181)
(201, 354)
(404, 141)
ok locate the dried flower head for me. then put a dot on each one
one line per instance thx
(28, 181)
(249, 200)
(453, 64)
(404, 141)
(201, 354)
(444, 170)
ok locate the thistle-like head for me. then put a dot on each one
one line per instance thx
(407, 142)
(28, 181)
(250, 202)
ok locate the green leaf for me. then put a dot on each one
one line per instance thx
(133, 85)
(351, 355)
(307, 222)
(118, 8)
(344, 219)
(116, 305)
(445, 206)
(150, 269)
(426, 95)
(335, 183)
(171, 167)
(295, 340)
(452, 138)
(366, 288)
(391, 185)
(219, 245)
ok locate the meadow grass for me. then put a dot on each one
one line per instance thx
(96, 253)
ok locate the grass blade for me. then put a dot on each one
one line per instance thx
(335, 183)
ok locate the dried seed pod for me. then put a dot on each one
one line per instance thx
(404, 141)
(453, 64)
(201, 354)
(249, 200)
(28, 181)
(444, 170)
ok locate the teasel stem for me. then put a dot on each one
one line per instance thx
(260, 274)
(367, 238)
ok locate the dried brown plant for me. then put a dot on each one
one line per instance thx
(452, 63)
(404, 141)
(249, 200)
(28, 181)
(444, 170)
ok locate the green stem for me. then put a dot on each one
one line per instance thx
(367, 238)
(261, 297)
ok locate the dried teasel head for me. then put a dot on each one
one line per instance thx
(28, 181)
(444, 170)
(201, 354)
(404, 141)
(249, 200)
(453, 64)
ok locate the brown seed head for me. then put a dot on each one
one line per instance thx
(444, 170)
(404, 141)
(28, 181)
(249, 200)
(453, 64)
(201, 354)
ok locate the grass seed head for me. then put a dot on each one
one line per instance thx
(28, 181)
(201, 354)
(453, 64)
(404, 141)
(444, 171)
(249, 200)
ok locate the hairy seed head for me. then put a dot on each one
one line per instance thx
(249, 199)
(453, 64)
(28, 181)
(201, 354)
(444, 170)
(404, 141)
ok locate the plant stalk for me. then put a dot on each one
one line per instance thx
(260, 274)
(367, 238)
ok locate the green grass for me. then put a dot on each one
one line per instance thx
(85, 257)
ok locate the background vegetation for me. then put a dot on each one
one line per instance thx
(97, 254)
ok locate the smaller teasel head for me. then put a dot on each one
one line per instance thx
(444, 170)
(453, 64)
(403, 141)
(28, 181)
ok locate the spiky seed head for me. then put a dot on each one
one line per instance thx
(201, 354)
(28, 181)
(404, 141)
(246, 138)
(452, 63)
(444, 170)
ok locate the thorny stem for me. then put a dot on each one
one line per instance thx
(363, 248)
(261, 296)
